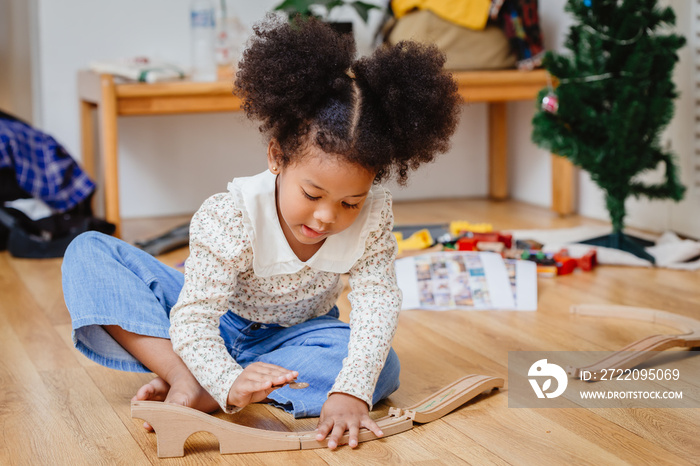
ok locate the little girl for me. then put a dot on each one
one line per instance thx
(255, 309)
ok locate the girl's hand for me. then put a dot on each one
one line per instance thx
(257, 381)
(342, 412)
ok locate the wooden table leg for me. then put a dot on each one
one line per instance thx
(87, 141)
(87, 130)
(563, 185)
(110, 150)
(498, 150)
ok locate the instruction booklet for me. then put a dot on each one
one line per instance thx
(449, 280)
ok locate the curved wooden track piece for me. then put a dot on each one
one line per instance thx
(174, 424)
(449, 398)
(635, 353)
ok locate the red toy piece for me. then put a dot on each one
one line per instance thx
(495, 237)
(566, 264)
(589, 260)
(471, 239)
(467, 244)
(506, 239)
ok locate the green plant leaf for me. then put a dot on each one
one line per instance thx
(330, 4)
(296, 6)
(303, 7)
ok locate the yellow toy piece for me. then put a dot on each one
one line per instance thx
(421, 239)
(457, 227)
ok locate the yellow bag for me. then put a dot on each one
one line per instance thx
(471, 14)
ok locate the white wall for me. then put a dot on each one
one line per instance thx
(5, 47)
(685, 216)
(15, 58)
(530, 170)
(169, 164)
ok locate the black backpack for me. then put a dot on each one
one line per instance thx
(45, 237)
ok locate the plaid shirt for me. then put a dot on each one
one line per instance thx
(42, 166)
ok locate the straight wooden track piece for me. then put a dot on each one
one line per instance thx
(437, 405)
(174, 424)
(688, 336)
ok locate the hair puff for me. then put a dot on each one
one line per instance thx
(412, 99)
(389, 112)
(288, 71)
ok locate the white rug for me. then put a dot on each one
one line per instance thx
(669, 251)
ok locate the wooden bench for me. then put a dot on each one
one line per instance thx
(112, 100)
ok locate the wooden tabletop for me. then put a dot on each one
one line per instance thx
(190, 96)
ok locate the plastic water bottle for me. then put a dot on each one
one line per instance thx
(203, 36)
(230, 35)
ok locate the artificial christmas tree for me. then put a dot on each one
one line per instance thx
(613, 99)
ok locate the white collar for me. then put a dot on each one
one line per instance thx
(272, 255)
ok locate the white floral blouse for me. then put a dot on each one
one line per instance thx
(240, 261)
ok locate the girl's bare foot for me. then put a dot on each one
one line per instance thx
(177, 384)
(184, 391)
(155, 390)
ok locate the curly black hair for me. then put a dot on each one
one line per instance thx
(388, 112)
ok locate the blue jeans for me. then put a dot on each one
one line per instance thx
(109, 282)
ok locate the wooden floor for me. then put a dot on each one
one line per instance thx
(58, 408)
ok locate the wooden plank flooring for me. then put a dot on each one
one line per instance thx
(57, 408)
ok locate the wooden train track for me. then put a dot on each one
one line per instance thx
(688, 336)
(173, 423)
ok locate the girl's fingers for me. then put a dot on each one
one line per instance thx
(269, 368)
(266, 371)
(323, 429)
(336, 435)
(373, 426)
(335, 432)
(353, 434)
(259, 371)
